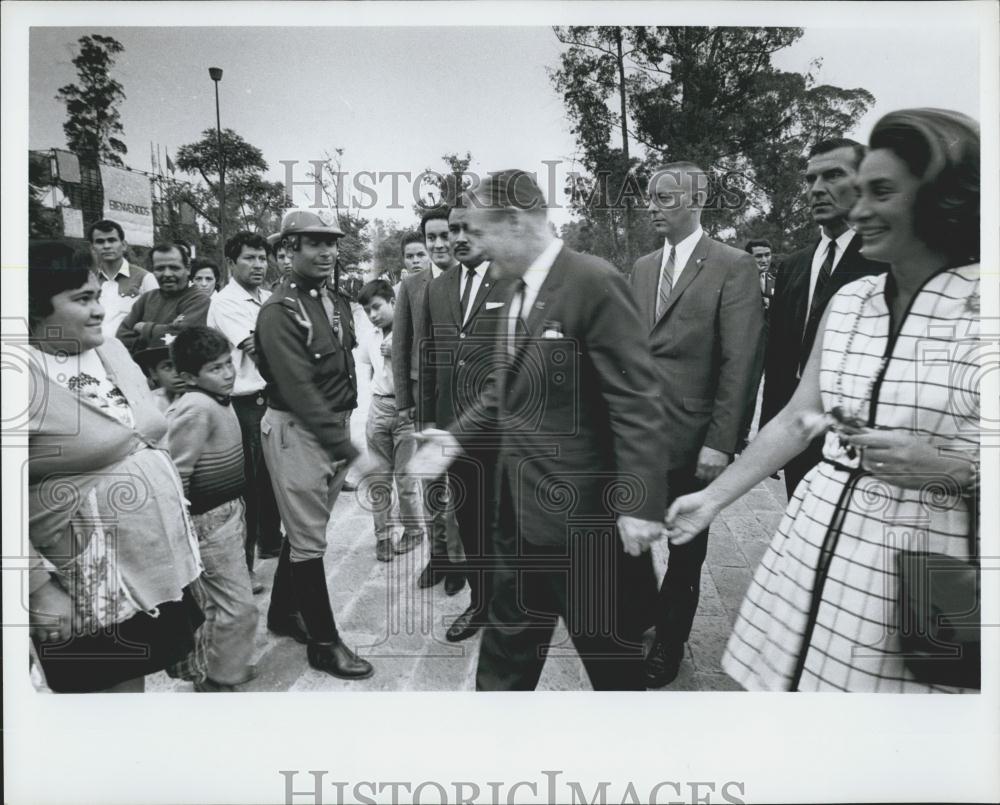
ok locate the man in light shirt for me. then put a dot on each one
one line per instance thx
(121, 282)
(234, 312)
(389, 432)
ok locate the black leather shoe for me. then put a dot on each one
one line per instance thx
(409, 542)
(347, 485)
(464, 627)
(274, 554)
(454, 582)
(289, 626)
(338, 660)
(383, 550)
(663, 664)
(429, 576)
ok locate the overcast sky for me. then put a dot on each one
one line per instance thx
(396, 98)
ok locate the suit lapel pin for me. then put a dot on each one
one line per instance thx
(539, 306)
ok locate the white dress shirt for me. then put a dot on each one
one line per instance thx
(477, 282)
(233, 311)
(370, 354)
(820, 255)
(682, 254)
(533, 278)
(117, 307)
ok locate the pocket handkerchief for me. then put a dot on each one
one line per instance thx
(493, 305)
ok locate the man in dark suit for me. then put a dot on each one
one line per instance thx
(410, 328)
(700, 303)
(463, 310)
(807, 280)
(579, 488)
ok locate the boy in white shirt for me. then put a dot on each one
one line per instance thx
(389, 433)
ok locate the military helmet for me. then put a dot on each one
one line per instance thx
(299, 221)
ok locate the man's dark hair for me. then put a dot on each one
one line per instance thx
(408, 238)
(195, 346)
(375, 288)
(105, 225)
(755, 243)
(53, 267)
(433, 214)
(235, 244)
(163, 248)
(826, 146)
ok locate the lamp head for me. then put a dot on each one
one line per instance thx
(215, 73)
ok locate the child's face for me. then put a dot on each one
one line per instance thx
(216, 376)
(168, 378)
(379, 312)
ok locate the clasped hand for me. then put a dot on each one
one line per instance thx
(900, 458)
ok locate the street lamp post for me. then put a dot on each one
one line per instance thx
(216, 75)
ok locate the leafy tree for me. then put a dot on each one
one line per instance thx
(42, 222)
(445, 186)
(710, 95)
(93, 123)
(387, 238)
(252, 202)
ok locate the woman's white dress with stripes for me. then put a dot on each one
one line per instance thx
(842, 528)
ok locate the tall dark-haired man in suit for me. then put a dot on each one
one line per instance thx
(464, 309)
(806, 281)
(410, 328)
(580, 495)
(700, 304)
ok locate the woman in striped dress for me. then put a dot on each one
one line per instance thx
(894, 383)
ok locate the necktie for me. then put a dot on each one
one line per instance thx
(822, 280)
(666, 283)
(513, 324)
(817, 304)
(470, 273)
(332, 314)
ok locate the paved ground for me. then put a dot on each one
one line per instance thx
(400, 628)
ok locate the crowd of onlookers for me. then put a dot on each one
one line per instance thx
(192, 426)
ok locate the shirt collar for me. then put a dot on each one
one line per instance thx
(436, 271)
(480, 270)
(684, 248)
(843, 240)
(234, 289)
(539, 269)
(122, 272)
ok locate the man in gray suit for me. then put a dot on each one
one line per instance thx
(700, 301)
(410, 326)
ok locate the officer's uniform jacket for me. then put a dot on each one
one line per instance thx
(309, 370)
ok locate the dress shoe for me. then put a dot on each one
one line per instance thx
(454, 582)
(338, 660)
(383, 550)
(408, 542)
(347, 486)
(429, 576)
(663, 664)
(256, 585)
(465, 626)
(269, 554)
(289, 626)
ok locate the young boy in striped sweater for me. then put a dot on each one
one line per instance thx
(207, 447)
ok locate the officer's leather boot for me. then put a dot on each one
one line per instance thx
(283, 616)
(326, 652)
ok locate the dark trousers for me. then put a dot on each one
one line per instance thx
(678, 600)
(471, 478)
(263, 520)
(601, 593)
(796, 469)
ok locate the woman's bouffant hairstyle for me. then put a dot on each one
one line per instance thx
(941, 148)
(53, 267)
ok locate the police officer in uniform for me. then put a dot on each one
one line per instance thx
(304, 338)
